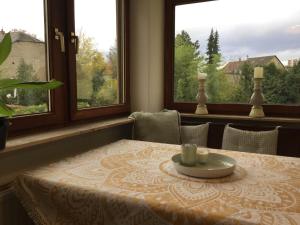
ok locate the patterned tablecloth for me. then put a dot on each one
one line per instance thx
(134, 183)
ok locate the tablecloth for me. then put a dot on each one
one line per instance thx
(134, 183)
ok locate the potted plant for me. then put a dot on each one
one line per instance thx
(11, 84)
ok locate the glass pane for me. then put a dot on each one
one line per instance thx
(226, 39)
(97, 61)
(28, 58)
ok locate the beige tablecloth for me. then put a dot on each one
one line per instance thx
(134, 183)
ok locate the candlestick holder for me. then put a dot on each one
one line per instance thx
(202, 98)
(257, 99)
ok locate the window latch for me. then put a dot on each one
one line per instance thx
(60, 36)
(75, 41)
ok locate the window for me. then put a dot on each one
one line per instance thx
(226, 40)
(99, 63)
(83, 45)
(97, 59)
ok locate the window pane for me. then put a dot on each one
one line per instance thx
(98, 58)
(227, 39)
(28, 58)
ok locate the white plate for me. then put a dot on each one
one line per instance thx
(216, 166)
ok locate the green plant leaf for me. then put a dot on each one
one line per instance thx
(5, 83)
(46, 85)
(5, 47)
(5, 110)
(15, 83)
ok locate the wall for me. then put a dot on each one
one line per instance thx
(146, 47)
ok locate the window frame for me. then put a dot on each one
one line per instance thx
(225, 109)
(63, 101)
(124, 107)
(56, 69)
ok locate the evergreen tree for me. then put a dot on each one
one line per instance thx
(210, 47)
(216, 46)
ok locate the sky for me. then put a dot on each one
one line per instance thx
(246, 27)
(94, 19)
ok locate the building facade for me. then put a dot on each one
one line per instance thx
(27, 49)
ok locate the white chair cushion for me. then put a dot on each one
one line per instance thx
(250, 141)
(195, 134)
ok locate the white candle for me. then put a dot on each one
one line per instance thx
(258, 72)
(202, 76)
(202, 155)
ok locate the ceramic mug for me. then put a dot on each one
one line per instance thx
(189, 154)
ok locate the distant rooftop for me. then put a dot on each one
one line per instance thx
(20, 36)
(234, 66)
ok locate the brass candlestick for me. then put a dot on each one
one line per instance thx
(201, 96)
(257, 99)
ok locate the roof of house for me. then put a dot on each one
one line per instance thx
(233, 67)
(19, 36)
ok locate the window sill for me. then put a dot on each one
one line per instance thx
(284, 120)
(26, 141)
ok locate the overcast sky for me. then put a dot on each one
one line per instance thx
(246, 27)
(94, 19)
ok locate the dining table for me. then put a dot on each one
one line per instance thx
(131, 182)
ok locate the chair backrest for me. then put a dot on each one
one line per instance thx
(264, 142)
(195, 134)
(163, 127)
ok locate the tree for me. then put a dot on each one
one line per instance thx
(26, 97)
(217, 86)
(96, 73)
(112, 64)
(107, 95)
(97, 83)
(184, 39)
(213, 46)
(243, 92)
(216, 46)
(187, 62)
(210, 47)
(90, 63)
(281, 86)
(292, 87)
(273, 82)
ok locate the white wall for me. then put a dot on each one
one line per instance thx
(146, 47)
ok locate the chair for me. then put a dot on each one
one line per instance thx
(264, 142)
(163, 127)
(195, 134)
